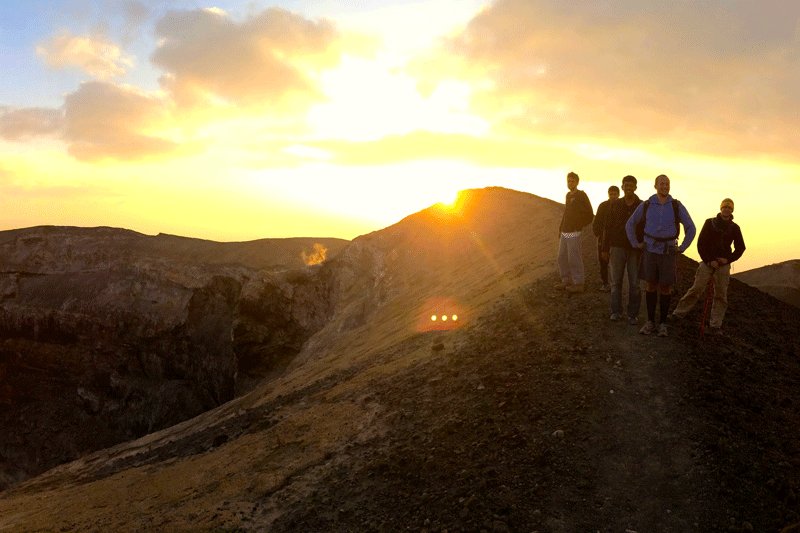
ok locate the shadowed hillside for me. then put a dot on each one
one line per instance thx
(108, 334)
(530, 412)
(781, 280)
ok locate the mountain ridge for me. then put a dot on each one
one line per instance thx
(532, 413)
(781, 280)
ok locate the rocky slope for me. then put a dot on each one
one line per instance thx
(531, 412)
(781, 280)
(106, 334)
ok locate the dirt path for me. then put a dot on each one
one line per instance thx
(647, 477)
(641, 442)
(544, 416)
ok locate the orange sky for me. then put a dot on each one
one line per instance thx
(250, 119)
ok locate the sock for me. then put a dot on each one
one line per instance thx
(650, 299)
(664, 307)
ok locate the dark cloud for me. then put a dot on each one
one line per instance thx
(721, 75)
(256, 62)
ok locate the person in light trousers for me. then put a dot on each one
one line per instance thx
(714, 247)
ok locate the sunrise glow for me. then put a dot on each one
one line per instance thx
(241, 120)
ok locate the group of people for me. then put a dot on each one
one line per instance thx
(640, 239)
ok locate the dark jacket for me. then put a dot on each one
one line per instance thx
(578, 212)
(599, 224)
(618, 214)
(716, 238)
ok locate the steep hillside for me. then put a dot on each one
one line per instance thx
(531, 412)
(781, 280)
(107, 334)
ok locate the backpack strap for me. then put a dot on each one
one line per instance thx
(675, 205)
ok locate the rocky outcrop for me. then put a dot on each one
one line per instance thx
(107, 334)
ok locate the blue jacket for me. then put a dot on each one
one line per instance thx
(660, 223)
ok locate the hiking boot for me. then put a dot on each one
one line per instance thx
(633, 321)
(674, 317)
(615, 317)
(578, 287)
(716, 331)
(648, 328)
(662, 330)
(604, 288)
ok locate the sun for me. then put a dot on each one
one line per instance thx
(449, 200)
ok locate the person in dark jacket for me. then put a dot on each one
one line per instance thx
(578, 214)
(714, 247)
(619, 252)
(598, 227)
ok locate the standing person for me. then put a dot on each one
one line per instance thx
(661, 215)
(578, 213)
(714, 247)
(598, 227)
(620, 254)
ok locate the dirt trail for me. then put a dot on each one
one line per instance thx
(546, 416)
(647, 477)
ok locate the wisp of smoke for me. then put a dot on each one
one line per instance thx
(317, 256)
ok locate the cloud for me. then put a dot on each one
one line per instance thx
(104, 120)
(719, 76)
(262, 61)
(95, 55)
(135, 14)
(20, 124)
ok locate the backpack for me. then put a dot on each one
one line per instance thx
(640, 226)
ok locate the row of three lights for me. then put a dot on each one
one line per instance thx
(444, 318)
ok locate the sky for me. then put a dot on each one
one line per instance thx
(236, 120)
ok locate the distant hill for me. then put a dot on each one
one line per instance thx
(431, 379)
(69, 248)
(781, 280)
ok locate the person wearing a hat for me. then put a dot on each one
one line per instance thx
(714, 247)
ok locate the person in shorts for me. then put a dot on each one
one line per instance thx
(660, 217)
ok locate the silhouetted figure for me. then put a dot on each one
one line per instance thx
(578, 214)
(714, 247)
(620, 254)
(598, 227)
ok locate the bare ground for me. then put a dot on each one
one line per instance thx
(545, 416)
(539, 415)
